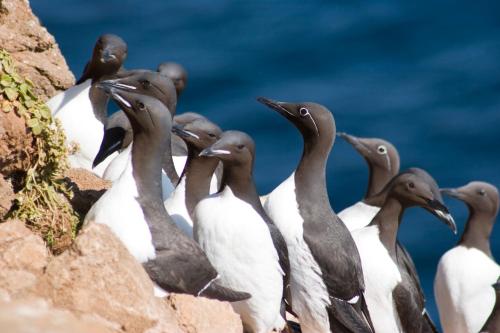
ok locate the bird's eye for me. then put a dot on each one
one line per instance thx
(382, 150)
(241, 146)
(411, 185)
(140, 106)
(146, 84)
(481, 192)
(303, 112)
(212, 135)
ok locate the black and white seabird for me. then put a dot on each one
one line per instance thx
(134, 210)
(176, 73)
(465, 273)
(493, 323)
(82, 108)
(326, 276)
(193, 185)
(389, 293)
(383, 163)
(233, 230)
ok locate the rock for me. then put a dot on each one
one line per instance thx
(23, 258)
(98, 276)
(87, 189)
(199, 314)
(6, 196)
(37, 316)
(35, 51)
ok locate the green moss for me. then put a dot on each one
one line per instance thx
(43, 200)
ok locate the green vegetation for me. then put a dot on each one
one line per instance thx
(42, 201)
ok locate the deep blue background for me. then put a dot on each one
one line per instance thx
(424, 75)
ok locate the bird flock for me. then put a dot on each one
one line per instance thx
(184, 203)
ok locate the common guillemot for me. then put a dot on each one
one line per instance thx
(82, 108)
(233, 230)
(465, 273)
(326, 276)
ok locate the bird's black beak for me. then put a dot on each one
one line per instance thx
(112, 141)
(438, 209)
(107, 55)
(214, 151)
(183, 133)
(280, 107)
(356, 142)
(117, 83)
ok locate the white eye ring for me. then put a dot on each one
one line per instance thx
(303, 112)
(382, 150)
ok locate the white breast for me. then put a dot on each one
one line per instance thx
(381, 276)
(180, 163)
(238, 243)
(309, 294)
(119, 210)
(463, 289)
(118, 165)
(358, 215)
(176, 208)
(76, 113)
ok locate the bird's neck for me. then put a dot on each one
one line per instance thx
(239, 179)
(99, 100)
(198, 174)
(477, 231)
(310, 176)
(377, 179)
(146, 170)
(169, 166)
(388, 220)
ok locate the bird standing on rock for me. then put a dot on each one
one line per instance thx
(232, 228)
(389, 293)
(82, 108)
(133, 207)
(326, 280)
(465, 273)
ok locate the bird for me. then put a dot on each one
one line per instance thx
(465, 273)
(175, 72)
(82, 109)
(198, 135)
(326, 282)
(383, 162)
(133, 208)
(147, 83)
(492, 325)
(388, 291)
(231, 228)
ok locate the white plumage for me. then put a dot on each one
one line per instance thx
(75, 111)
(381, 276)
(176, 208)
(119, 210)
(309, 293)
(358, 215)
(463, 289)
(238, 243)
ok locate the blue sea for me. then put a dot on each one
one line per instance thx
(424, 75)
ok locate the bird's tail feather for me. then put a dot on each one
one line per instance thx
(221, 293)
(346, 317)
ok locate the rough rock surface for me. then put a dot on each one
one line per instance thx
(37, 316)
(36, 52)
(87, 189)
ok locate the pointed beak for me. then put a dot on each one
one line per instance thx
(214, 152)
(356, 142)
(112, 141)
(438, 209)
(183, 133)
(107, 85)
(107, 55)
(453, 193)
(280, 107)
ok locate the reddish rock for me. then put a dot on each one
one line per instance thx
(87, 189)
(6, 196)
(36, 53)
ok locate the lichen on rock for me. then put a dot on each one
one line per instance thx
(38, 166)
